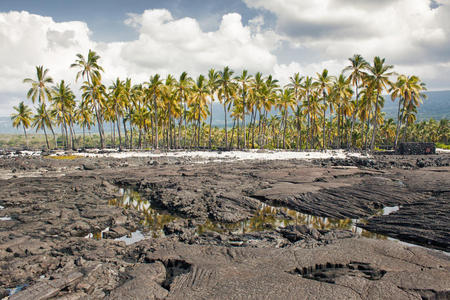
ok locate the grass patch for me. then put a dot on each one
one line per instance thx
(442, 146)
(63, 157)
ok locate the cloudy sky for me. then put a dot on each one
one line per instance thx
(138, 38)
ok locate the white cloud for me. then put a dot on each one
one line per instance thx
(165, 45)
(409, 33)
(406, 32)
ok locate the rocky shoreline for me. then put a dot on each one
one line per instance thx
(212, 229)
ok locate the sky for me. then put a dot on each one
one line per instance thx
(138, 38)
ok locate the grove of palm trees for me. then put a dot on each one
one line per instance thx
(320, 112)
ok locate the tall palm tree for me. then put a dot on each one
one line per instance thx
(93, 93)
(23, 116)
(41, 120)
(89, 67)
(170, 100)
(212, 85)
(84, 117)
(286, 101)
(358, 66)
(227, 90)
(155, 88)
(341, 94)
(64, 102)
(295, 83)
(244, 81)
(379, 75)
(183, 85)
(90, 70)
(40, 90)
(199, 99)
(118, 98)
(324, 84)
(308, 88)
(256, 87)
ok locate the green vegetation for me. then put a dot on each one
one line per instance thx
(310, 112)
(443, 146)
(64, 157)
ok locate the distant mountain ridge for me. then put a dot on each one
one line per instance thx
(436, 106)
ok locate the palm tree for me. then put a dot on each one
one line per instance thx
(244, 80)
(199, 98)
(256, 89)
(40, 89)
(94, 96)
(324, 84)
(226, 92)
(154, 88)
(89, 67)
(183, 85)
(23, 116)
(212, 85)
(296, 85)
(63, 102)
(379, 75)
(90, 70)
(286, 101)
(358, 65)
(168, 94)
(84, 116)
(118, 98)
(308, 88)
(41, 120)
(341, 94)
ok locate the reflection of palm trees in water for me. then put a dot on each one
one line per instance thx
(152, 218)
(266, 218)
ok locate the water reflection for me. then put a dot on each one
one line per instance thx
(132, 238)
(266, 218)
(97, 235)
(270, 217)
(153, 219)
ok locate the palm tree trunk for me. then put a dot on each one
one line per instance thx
(372, 143)
(185, 125)
(284, 127)
(156, 121)
(84, 141)
(354, 115)
(226, 127)
(238, 134)
(308, 131)
(131, 135)
(125, 131)
(210, 124)
(25, 133)
(253, 128)
(339, 126)
(298, 128)
(232, 135)
(46, 139)
(198, 126)
(399, 124)
(243, 119)
(54, 136)
(324, 119)
(99, 125)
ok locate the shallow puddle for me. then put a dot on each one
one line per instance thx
(153, 218)
(266, 218)
(132, 238)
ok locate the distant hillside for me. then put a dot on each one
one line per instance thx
(436, 106)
